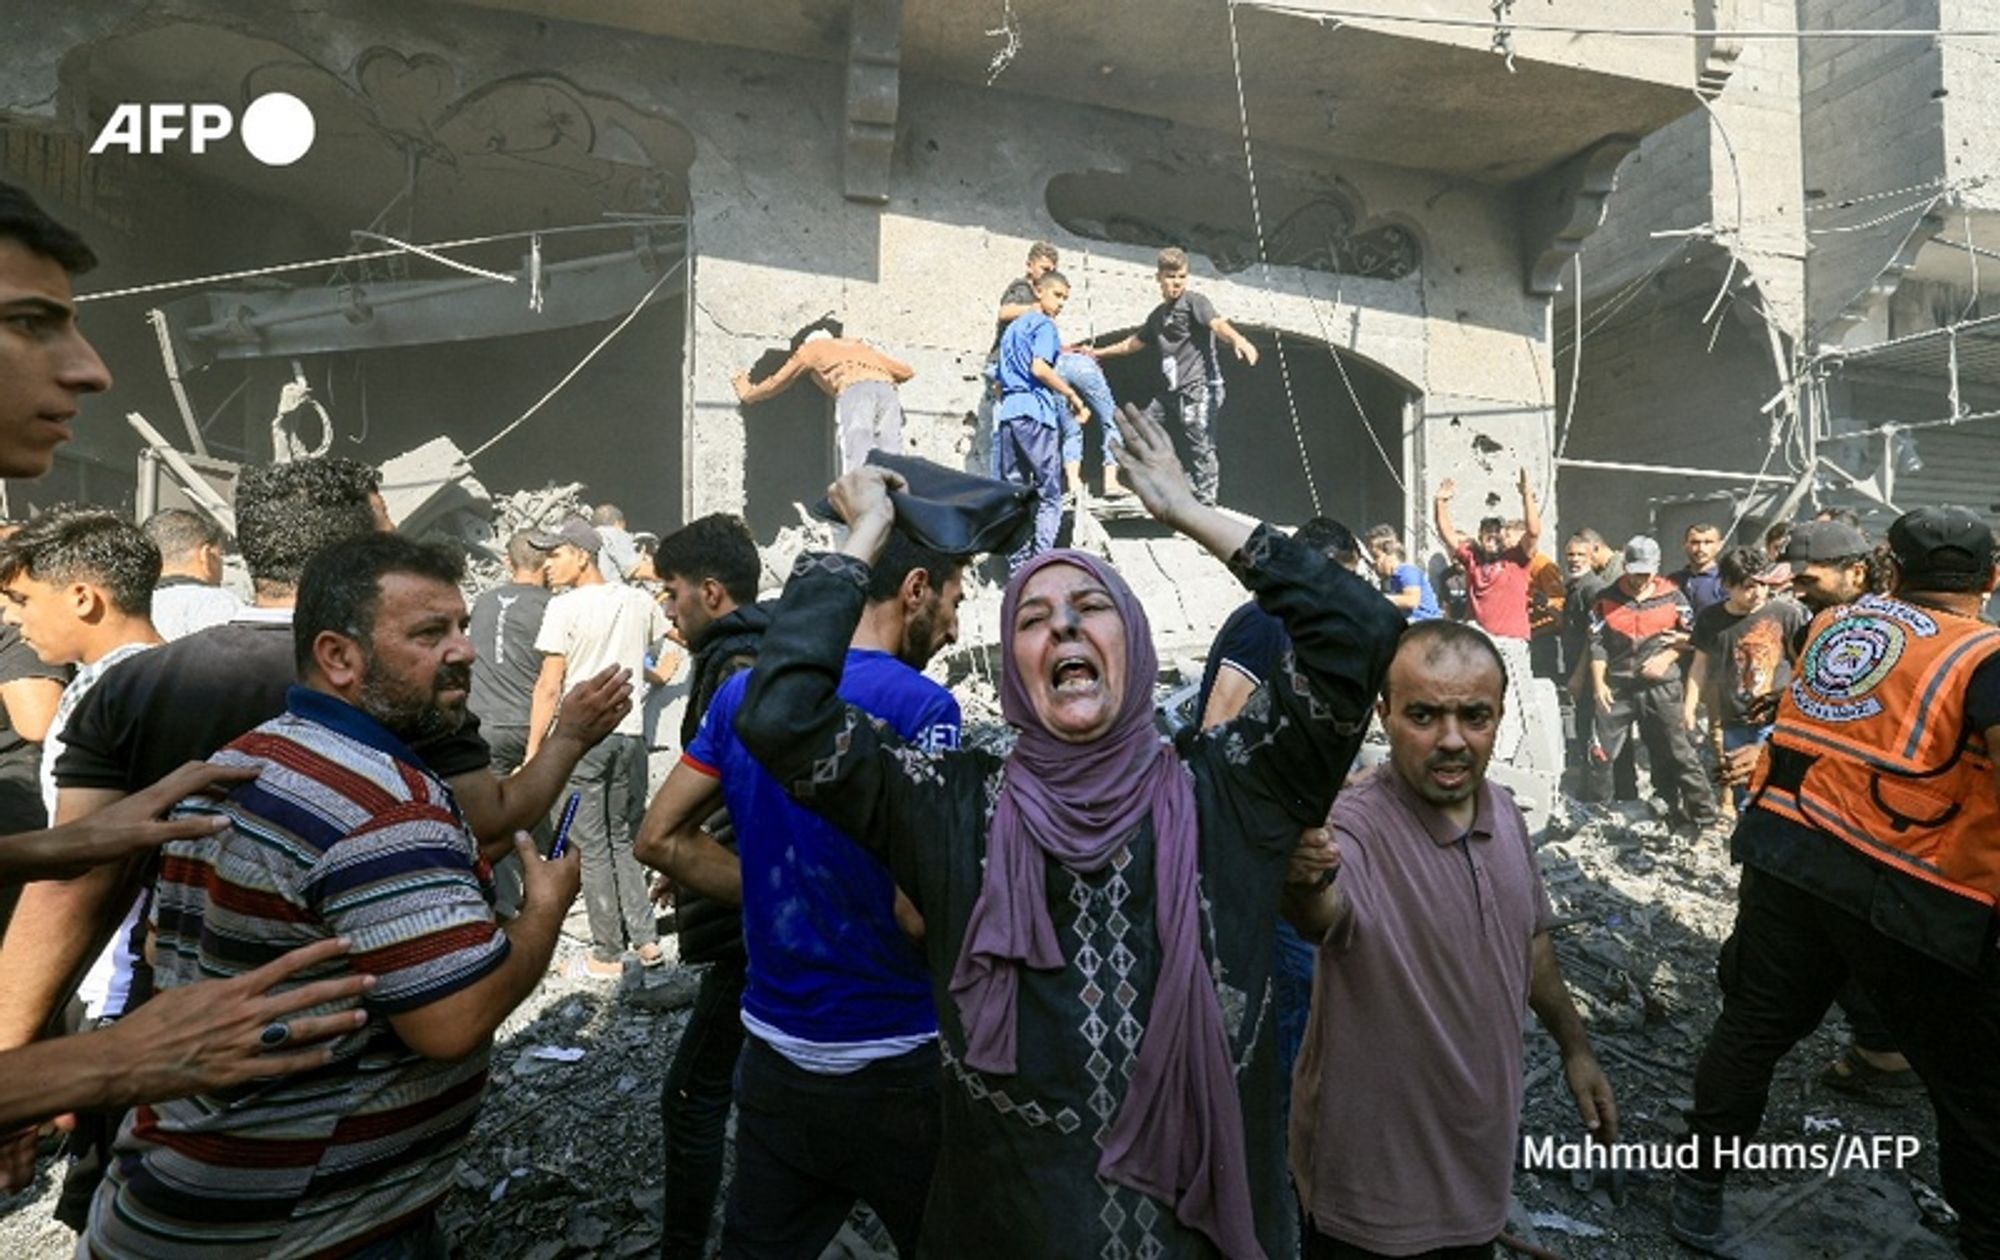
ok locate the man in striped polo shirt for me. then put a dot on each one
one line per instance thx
(344, 833)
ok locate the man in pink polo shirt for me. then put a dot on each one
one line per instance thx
(1434, 934)
(1496, 574)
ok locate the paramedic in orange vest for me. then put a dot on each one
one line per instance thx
(1871, 848)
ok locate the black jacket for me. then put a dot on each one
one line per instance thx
(710, 931)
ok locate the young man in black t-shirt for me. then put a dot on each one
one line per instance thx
(1184, 328)
(1742, 651)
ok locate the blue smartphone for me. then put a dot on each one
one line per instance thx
(561, 845)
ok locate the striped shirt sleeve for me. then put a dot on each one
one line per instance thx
(405, 891)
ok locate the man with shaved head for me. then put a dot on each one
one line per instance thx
(1433, 929)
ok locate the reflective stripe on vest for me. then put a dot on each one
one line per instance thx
(1876, 714)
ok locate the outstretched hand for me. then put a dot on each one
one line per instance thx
(196, 1039)
(213, 1034)
(124, 829)
(594, 707)
(1151, 466)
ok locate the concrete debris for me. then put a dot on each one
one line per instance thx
(1640, 918)
(537, 509)
(810, 534)
(1562, 1224)
(486, 561)
(431, 491)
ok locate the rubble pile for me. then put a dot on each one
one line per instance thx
(565, 1159)
(483, 533)
(1641, 917)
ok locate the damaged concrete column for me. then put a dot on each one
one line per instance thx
(874, 55)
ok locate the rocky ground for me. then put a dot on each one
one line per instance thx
(565, 1161)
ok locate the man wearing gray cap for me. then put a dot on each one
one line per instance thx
(1638, 630)
(592, 624)
(1871, 854)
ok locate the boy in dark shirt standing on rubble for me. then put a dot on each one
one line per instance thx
(1184, 328)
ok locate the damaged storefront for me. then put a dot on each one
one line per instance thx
(551, 233)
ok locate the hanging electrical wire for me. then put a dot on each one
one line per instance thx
(294, 397)
(1361, 412)
(1735, 250)
(1576, 355)
(582, 363)
(251, 273)
(1263, 256)
(1343, 16)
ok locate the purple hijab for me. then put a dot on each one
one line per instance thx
(1178, 1136)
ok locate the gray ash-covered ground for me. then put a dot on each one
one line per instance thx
(565, 1161)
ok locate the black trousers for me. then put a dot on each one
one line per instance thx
(1656, 708)
(1869, 1030)
(808, 1146)
(1789, 955)
(694, 1110)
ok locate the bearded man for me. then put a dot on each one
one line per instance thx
(343, 834)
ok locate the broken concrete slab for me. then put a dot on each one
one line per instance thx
(422, 486)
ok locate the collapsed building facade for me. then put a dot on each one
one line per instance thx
(1384, 206)
(1790, 303)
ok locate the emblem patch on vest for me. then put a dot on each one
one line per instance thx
(1846, 663)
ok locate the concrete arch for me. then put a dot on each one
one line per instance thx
(1272, 469)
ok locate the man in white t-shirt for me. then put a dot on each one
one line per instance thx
(592, 624)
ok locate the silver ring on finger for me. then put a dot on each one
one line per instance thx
(275, 1034)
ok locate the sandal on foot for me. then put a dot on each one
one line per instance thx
(1853, 1074)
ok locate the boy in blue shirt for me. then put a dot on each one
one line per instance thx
(1406, 585)
(836, 1090)
(1028, 419)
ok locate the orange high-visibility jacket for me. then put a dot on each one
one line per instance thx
(1876, 715)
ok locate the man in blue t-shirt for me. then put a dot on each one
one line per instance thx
(1407, 586)
(836, 1091)
(1028, 419)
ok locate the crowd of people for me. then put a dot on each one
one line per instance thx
(283, 866)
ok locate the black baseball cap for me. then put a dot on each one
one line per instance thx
(1820, 542)
(1945, 541)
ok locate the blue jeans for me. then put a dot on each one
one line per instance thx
(1292, 991)
(1735, 737)
(1087, 378)
(1031, 455)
